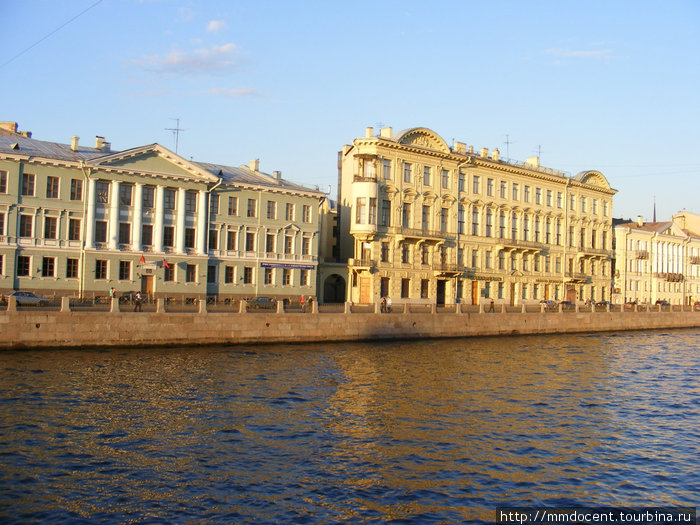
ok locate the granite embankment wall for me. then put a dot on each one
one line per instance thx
(51, 329)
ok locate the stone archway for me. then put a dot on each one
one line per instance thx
(334, 289)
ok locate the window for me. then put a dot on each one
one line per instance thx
(169, 198)
(360, 210)
(305, 246)
(426, 176)
(538, 195)
(233, 205)
(385, 252)
(27, 185)
(124, 233)
(407, 172)
(405, 288)
(560, 199)
(288, 244)
(270, 243)
(289, 212)
(537, 229)
(405, 254)
(76, 190)
(384, 287)
(424, 254)
(71, 268)
(605, 208)
(102, 192)
(475, 183)
(250, 241)
(514, 226)
(489, 187)
(583, 205)
(189, 238)
(475, 221)
(214, 204)
(23, 265)
(460, 219)
(26, 225)
(502, 225)
(443, 220)
(501, 260)
(213, 239)
(425, 218)
(424, 283)
(489, 222)
(252, 208)
(268, 276)
(248, 275)
(147, 234)
(286, 277)
(516, 194)
(51, 187)
(304, 278)
(385, 214)
(100, 269)
(271, 210)
(487, 259)
(526, 227)
(191, 201)
(526, 193)
(100, 231)
(169, 273)
(211, 274)
(48, 266)
(168, 236)
(124, 270)
(503, 189)
(2, 224)
(3, 182)
(386, 169)
(595, 206)
(461, 181)
(307, 212)
(191, 273)
(125, 192)
(445, 179)
(406, 215)
(229, 274)
(50, 227)
(231, 240)
(148, 196)
(572, 202)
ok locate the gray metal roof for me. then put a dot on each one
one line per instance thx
(244, 175)
(38, 148)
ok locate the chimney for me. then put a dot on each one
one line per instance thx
(254, 165)
(459, 147)
(533, 161)
(101, 144)
(471, 149)
(485, 152)
(386, 133)
(74, 142)
(277, 175)
(9, 126)
(369, 132)
(640, 221)
(495, 154)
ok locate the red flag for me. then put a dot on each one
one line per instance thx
(165, 263)
(142, 259)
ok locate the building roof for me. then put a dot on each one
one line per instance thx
(244, 175)
(17, 145)
(657, 227)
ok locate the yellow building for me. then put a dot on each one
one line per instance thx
(422, 222)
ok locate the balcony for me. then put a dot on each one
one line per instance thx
(522, 245)
(694, 259)
(641, 254)
(670, 277)
(598, 252)
(361, 263)
(448, 268)
(577, 276)
(362, 178)
(414, 233)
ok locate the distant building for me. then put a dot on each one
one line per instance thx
(422, 221)
(78, 220)
(658, 261)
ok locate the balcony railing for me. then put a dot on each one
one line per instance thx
(421, 233)
(641, 254)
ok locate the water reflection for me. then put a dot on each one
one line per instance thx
(432, 431)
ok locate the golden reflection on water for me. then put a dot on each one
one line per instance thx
(433, 430)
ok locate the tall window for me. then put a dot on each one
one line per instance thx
(76, 190)
(51, 187)
(270, 243)
(286, 277)
(50, 227)
(229, 274)
(526, 193)
(147, 234)
(248, 275)
(191, 201)
(169, 198)
(475, 221)
(71, 268)
(560, 199)
(189, 238)
(168, 236)
(102, 192)
(288, 244)
(124, 270)
(2, 225)
(100, 269)
(48, 266)
(502, 225)
(191, 273)
(385, 217)
(538, 195)
(385, 252)
(148, 197)
(124, 233)
(537, 229)
(489, 222)
(27, 185)
(460, 219)
(289, 212)
(425, 218)
(406, 215)
(3, 182)
(372, 210)
(386, 169)
(407, 172)
(271, 210)
(213, 239)
(514, 226)
(250, 241)
(476, 181)
(231, 240)
(489, 187)
(503, 189)
(426, 176)
(23, 266)
(360, 210)
(252, 208)
(461, 181)
(443, 220)
(125, 192)
(305, 246)
(26, 225)
(306, 212)
(169, 273)
(304, 278)
(516, 194)
(100, 231)
(211, 273)
(445, 179)
(233, 205)
(214, 204)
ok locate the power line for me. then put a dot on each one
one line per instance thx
(48, 35)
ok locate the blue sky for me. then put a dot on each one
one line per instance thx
(607, 85)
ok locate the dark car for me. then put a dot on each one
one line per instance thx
(662, 302)
(548, 304)
(28, 298)
(262, 303)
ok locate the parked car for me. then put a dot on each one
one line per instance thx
(28, 298)
(662, 302)
(548, 304)
(262, 303)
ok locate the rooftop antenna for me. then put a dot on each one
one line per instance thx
(654, 209)
(539, 151)
(378, 126)
(176, 132)
(508, 143)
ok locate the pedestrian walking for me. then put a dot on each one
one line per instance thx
(491, 308)
(137, 302)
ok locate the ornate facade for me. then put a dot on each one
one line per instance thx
(420, 221)
(78, 220)
(658, 261)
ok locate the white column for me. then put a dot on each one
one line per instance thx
(180, 222)
(114, 216)
(136, 222)
(202, 225)
(90, 216)
(158, 220)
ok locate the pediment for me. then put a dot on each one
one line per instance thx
(593, 178)
(293, 227)
(153, 160)
(423, 138)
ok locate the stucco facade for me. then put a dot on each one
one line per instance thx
(421, 221)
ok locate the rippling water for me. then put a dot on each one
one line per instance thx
(438, 431)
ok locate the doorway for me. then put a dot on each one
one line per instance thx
(147, 285)
(441, 292)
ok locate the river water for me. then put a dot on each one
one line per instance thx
(438, 431)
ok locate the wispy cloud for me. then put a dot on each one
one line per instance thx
(203, 60)
(592, 53)
(214, 26)
(233, 92)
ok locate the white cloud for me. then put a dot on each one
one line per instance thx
(233, 92)
(214, 26)
(593, 53)
(202, 60)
